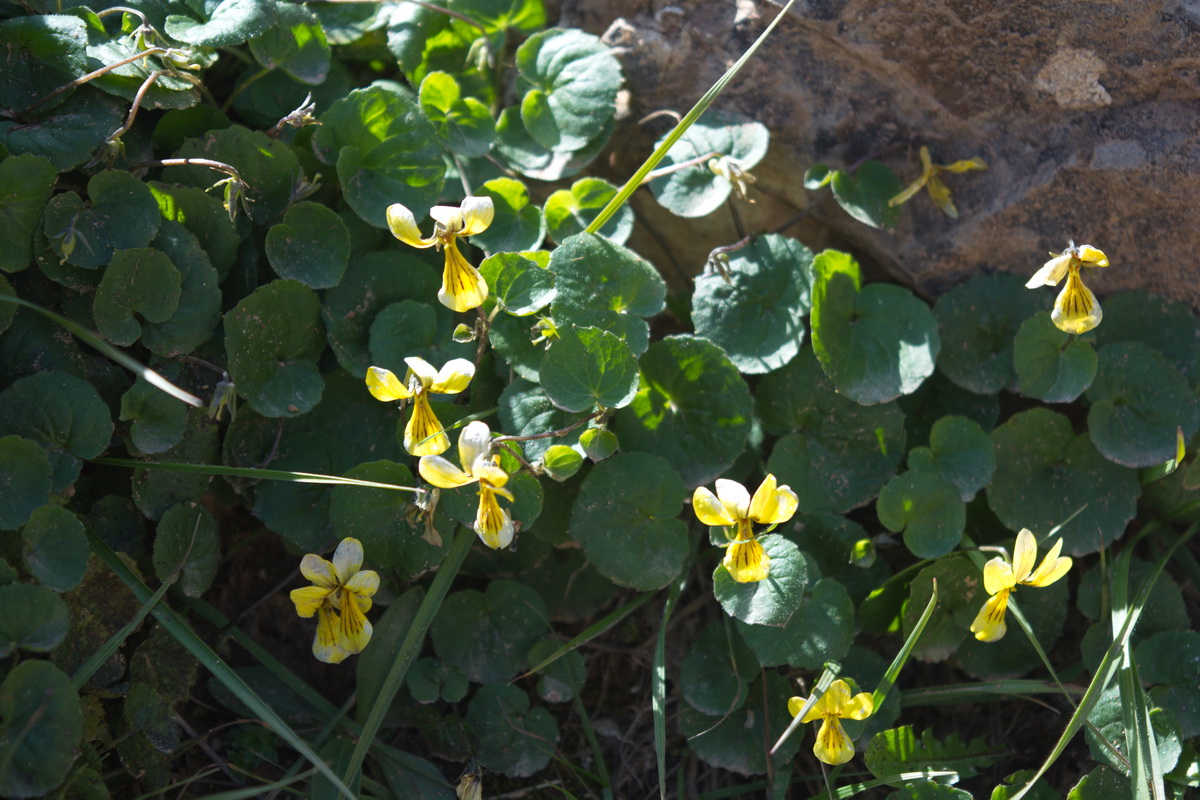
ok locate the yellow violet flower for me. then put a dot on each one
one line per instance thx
(463, 288)
(732, 507)
(424, 434)
(493, 523)
(340, 597)
(1076, 310)
(1000, 578)
(938, 191)
(833, 746)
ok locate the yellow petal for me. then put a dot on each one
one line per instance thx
(355, 630)
(441, 473)
(989, 623)
(909, 192)
(491, 474)
(364, 584)
(833, 745)
(422, 370)
(709, 509)
(1051, 272)
(384, 385)
(453, 377)
(477, 213)
(998, 576)
(463, 288)
(772, 504)
(347, 559)
(795, 704)
(319, 571)
(926, 163)
(966, 165)
(1052, 568)
(734, 497)
(747, 562)
(325, 642)
(1092, 257)
(833, 702)
(473, 445)
(1076, 310)
(424, 435)
(859, 707)
(403, 225)
(309, 599)
(1024, 556)
(940, 194)
(493, 523)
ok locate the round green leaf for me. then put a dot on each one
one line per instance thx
(960, 452)
(223, 23)
(35, 619)
(384, 520)
(158, 418)
(1109, 719)
(1139, 402)
(204, 216)
(187, 541)
(927, 509)
(311, 245)
(960, 596)
(1045, 473)
(561, 462)
(573, 80)
(588, 367)
(273, 339)
(526, 156)
(817, 177)
(56, 548)
(739, 741)
(772, 601)
(625, 517)
(513, 339)
(518, 284)
(385, 149)
(120, 214)
(570, 211)
(756, 316)
(1052, 365)
(696, 191)
(26, 183)
(604, 285)
(40, 53)
(831, 540)
(1168, 326)
(68, 134)
(1170, 657)
(978, 322)
(876, 343)
(598, 443)
(517, 225)
(513, 739)
(841, 453)
(199, 309)
(41, 725)
(561, 679)
(486, 635)
(463, 124)
(63, 414)
(141, 281)
(525, 410)
(300, 511)
(155, 491)
(716, 672)
(865, 194)
(937, 398)
(692, 408)
(822, 630)
(295, 44)
(25, 477)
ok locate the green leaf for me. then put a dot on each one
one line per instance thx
(121, 213)
(300, 511)
(37, 620)
(63, 414)
(409, 328)
(572, 81)
(41, 726)
(604, 285)
(570, 211)
(692, 408)
(223, 23)
(1139, 402)
(1052, 366)
(756, 315)
(716, 672)
(385, 150)
(562, 679)
(772, 601)
(518, 224)
(1107, 720)
(140, 281)
(865, 194)
(927, 509)
(625, 517)
(68, 133)
(588, 367)
(901, 750)
(25, 475)
(273, 339)
(841, 453)
(486, 635)
(822, 630)
(463, 124)
(929, 790)
(960, 452)
(40, 53)
(203, 215)
(311, 245)
(1170, 657)
(55, 548)
(26, 183)
(199, 309)
(295, 44)
(960, 596)
(186, 540)
(817, 177)
(514, 739)
(1102, 783)
(1045, 473)
(525, 410)
(937, 398)
(518, 285)
(696, 191)
(376, 661)
(561, 462)
(598, 443)
(501, 16)
(876, 343)
(518, 149)
(133, 79)
(512, 338)
(1168, 326)
(832, 540)
(155, 491)
(735, 741)
(978, 321)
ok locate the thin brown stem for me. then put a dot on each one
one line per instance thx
(82, 79)
(551, 434)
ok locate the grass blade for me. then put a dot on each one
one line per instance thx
(591, 633)
(851, 789)
(658, 687)
(251, 472)
(832, 668)
(893, 671)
